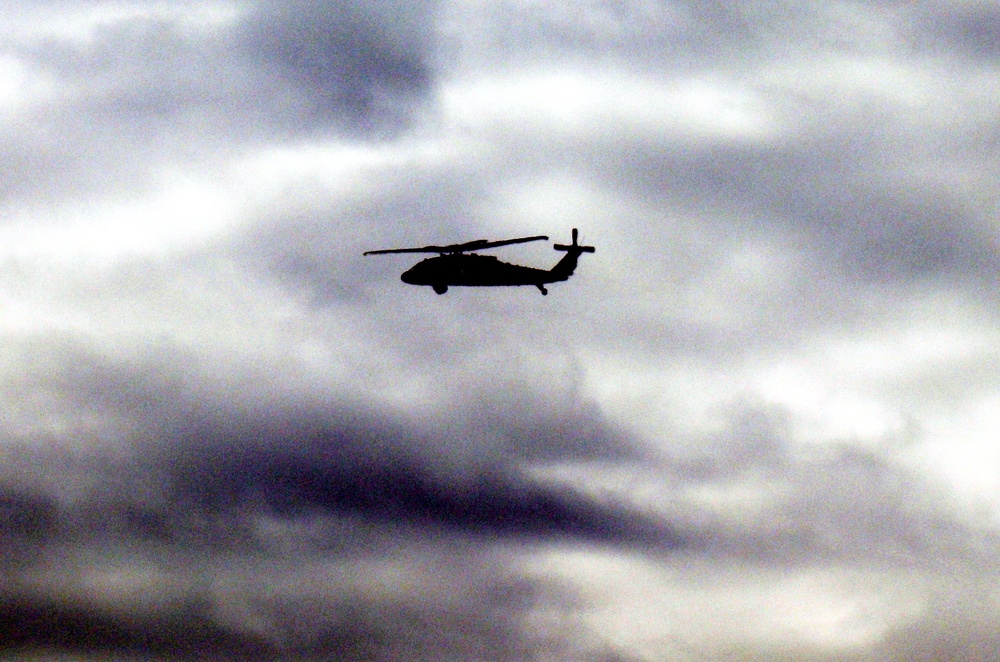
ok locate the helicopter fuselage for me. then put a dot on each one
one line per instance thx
(474, 270)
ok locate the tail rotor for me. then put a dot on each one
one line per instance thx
(574, 247)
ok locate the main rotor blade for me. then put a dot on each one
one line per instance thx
(425, 249)
(480, 244)
(476, 245)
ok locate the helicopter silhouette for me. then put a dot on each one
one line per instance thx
(455, 265)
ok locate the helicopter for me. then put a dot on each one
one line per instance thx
(456, 265)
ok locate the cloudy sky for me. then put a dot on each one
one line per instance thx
(762, 421)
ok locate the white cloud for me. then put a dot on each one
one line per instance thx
(609, 102)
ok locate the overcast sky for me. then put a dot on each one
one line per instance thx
(761, 421)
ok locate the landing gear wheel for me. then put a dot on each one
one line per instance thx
(542, 289)
(440, 289)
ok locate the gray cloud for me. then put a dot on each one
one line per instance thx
(148, 89)
(355, 67)
(969, 30)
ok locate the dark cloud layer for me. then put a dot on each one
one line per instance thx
(465, 473)
(300, 465)
(191, 491)
(33, 625)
